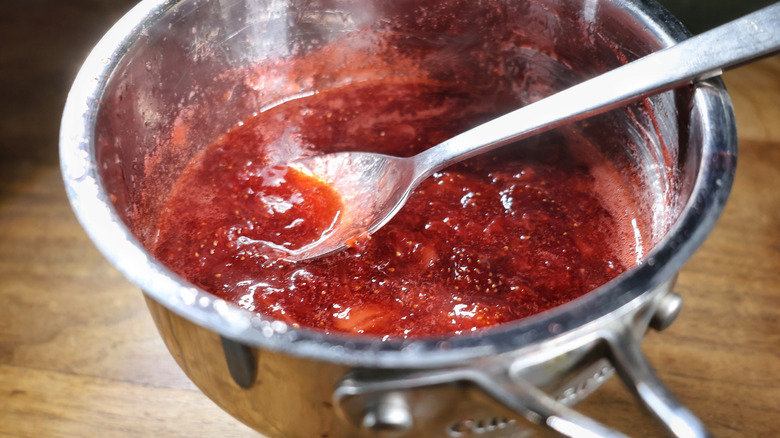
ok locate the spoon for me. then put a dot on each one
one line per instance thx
(374, 187)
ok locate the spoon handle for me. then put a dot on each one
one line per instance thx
(700, 57)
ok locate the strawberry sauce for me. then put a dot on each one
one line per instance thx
(491, 240)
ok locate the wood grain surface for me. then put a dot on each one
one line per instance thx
(80, 357)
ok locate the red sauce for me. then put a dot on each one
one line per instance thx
(491, 240)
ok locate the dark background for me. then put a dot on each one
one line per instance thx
(700, 15)
(42, 46)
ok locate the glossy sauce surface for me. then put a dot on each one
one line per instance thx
(493, 239)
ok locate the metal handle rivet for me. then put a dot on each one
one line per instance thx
(388, 413)
(667, 311)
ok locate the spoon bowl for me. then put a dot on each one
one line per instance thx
(373, 187)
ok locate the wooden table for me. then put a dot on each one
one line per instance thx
(80, 357)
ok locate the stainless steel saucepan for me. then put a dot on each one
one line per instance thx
(166, 64)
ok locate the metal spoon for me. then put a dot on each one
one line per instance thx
(374, 187)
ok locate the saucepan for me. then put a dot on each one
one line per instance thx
(157, 89)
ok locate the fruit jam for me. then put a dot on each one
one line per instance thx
(493, 239)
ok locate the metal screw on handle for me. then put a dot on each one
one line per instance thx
(667, 311)
(389, 414)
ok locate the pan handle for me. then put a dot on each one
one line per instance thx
(541, 409)
(625, 354)
(636, 373)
